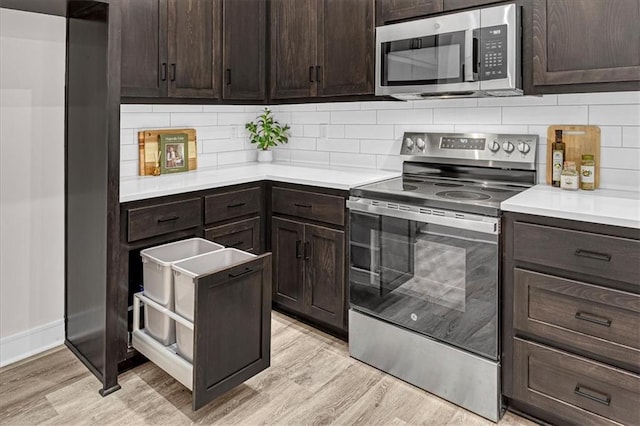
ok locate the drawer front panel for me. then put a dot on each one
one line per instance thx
(230, 205)
(602, 321)
(589, 254)
(162, 219)
(575, 388)
(243, 235)
(309, 205)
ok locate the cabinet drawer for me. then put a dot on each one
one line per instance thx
(589, 254)
(598, 320)
(243, 235)
(233, 204)
(309, 205)
(145, 222)
(574, 388)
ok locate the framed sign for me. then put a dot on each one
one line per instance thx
(173, 153)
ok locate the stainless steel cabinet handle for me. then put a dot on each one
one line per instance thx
(163, 72)
(227, 76)
(596, 396)
(173, 72)
(306, 206)
(583, 316)
(307, 250)
(168, 219)
(239, 274)
(318, 75)
(298, 246)
(311, 74)
(235, 205)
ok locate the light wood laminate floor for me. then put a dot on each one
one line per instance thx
(311, 380)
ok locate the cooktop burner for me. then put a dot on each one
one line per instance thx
(448, 185)
(463, 195)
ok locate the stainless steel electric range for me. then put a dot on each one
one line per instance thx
(424, 277)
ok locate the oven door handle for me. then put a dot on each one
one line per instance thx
(488, 226)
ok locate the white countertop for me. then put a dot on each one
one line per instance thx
(143, 187)
(605, 206)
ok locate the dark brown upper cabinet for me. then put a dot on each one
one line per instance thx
(398, 10)
(585, 42)
(144, 48)
(448, 5)
(244, 49)
(321, 48)
(171, 48)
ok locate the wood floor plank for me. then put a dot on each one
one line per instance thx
(312, 380)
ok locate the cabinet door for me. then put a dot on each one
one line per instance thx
(324, 281)
(345, 47)
(144, 48)
(194, 34)
(232, 328)
(463, 4)
(395, 10)
(243, 235)
(244, 48)
(288, 265)
(293, 48)
(585, 41)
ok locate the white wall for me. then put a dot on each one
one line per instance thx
(368, 134)
(32, 76)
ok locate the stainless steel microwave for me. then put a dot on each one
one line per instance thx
(468, 54)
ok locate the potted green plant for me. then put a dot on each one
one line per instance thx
(266, 132)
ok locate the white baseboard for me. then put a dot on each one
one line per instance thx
(31, 342)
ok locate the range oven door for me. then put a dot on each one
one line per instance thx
(431, 273)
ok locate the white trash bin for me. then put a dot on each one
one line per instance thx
(158, 281)
(186, 272)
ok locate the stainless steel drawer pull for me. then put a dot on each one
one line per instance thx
(593, 255)
(583, 316)
(306, 206)
(239, 274)
(168, 219)
(596, 396)
(236, 205)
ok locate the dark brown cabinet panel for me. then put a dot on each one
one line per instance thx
(293, 48)
(345, 47)
(244, 49)
(194, 46)
(324, 275)
(159, 219)
(243, 235)
(229, 205)
(463, 4)
(585, 41)
(576, 389)
(397, 10)
(287, 241)
(144, 48)
(309, 205)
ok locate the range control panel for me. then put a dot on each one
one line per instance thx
(472, 147)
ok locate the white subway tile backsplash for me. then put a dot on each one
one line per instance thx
(607, 98)
(631, 137)
(367, 161)
(519, 101)
(369, 134)
(339, 145)
(310, 117)
(484, 115)
(547, 115)
(398, 116)
(353, 117)
(146, 120)
(610, 136)
(621, 115)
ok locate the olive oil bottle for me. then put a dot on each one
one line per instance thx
(557, 158)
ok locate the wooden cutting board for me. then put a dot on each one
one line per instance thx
(579, 140)
(148, 149)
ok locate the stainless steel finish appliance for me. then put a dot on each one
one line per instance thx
(467, 54)
(424, 274)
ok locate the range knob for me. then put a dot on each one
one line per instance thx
(420, 144)
(408, 142)
(494, 147)
(508, 147)
(524, 148)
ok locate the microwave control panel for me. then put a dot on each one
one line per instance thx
(493, 52)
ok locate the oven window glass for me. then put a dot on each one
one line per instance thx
(424, 60)
(435, 280)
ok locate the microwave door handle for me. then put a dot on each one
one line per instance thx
(468, 56)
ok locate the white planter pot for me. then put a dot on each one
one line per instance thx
(265, 156)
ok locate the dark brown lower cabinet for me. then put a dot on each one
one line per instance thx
(308, 270)
(243, 235)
